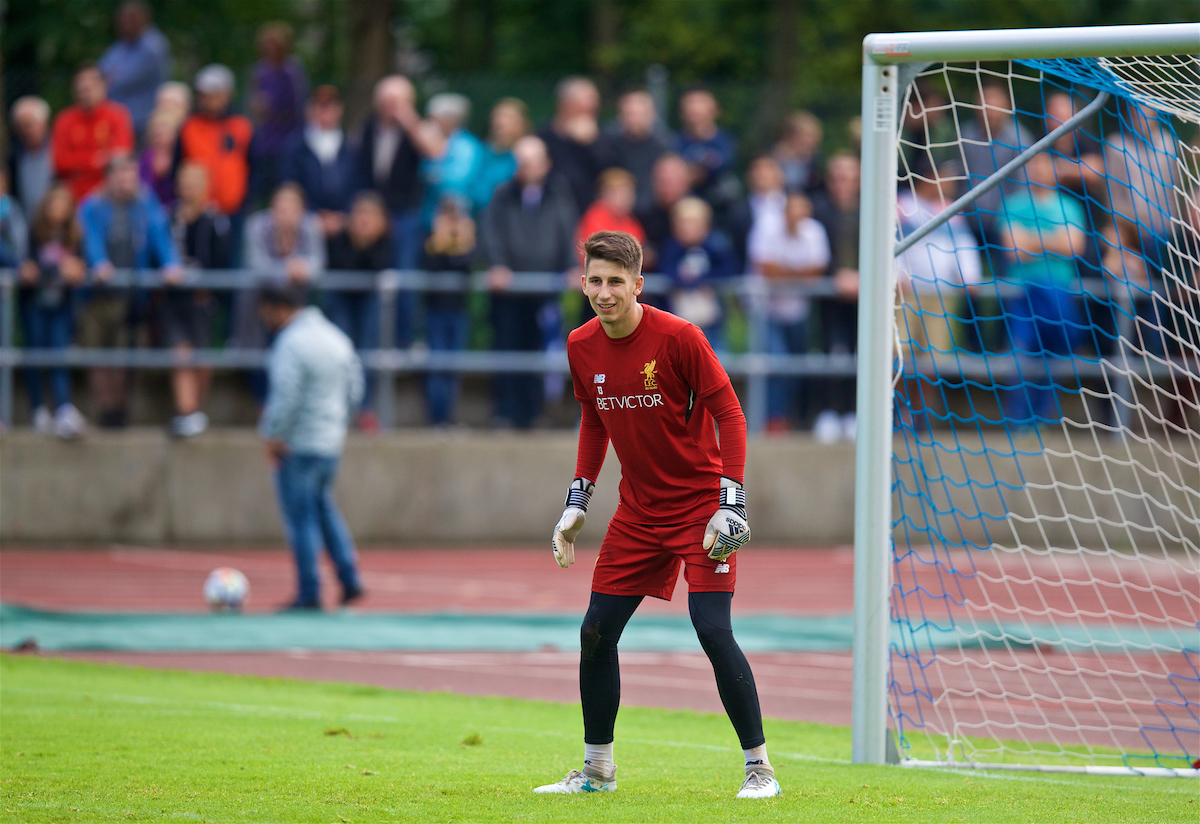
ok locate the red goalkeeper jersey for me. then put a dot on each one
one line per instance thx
(657, 394)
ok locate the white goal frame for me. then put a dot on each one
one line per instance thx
(887, 68)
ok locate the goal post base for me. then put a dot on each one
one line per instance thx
(1148, 772)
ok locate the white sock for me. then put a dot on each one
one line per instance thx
(599, 757)
(757, 757)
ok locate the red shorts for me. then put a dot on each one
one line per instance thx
(645, 560)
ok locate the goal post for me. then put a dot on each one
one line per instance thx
(1027, 497)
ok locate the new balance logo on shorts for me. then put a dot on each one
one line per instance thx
(722, 568)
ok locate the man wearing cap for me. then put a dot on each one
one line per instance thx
(322, 161)
(217, 139)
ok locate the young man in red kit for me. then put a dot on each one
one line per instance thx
(650, 382)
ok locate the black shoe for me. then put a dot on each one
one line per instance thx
(300, 605)
(349, 596)
(113, 419)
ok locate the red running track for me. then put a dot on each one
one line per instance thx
(800, 686)
(818, 581)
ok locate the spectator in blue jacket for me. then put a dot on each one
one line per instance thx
(697, 259)
(709, 150)
(124, 227)
(509, 123)
(322, 161)
(137, 64)
(453, 173)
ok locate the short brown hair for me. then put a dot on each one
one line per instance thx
(615, 176)
(621, 248)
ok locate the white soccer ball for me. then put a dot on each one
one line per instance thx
(226, 589)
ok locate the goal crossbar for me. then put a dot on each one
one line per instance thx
(1028, 44)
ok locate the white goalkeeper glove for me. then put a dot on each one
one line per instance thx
(579, 495)
(728, 531)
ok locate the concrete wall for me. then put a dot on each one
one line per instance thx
(412, 487)
(426, 487)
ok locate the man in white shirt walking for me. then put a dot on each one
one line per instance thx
(316, 384)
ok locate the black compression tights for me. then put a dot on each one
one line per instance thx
(600, 676)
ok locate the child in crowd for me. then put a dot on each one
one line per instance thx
(48, 277)
(365, 245)
(156, 165)
(697, 259)
(613, 209)
(449, 249)
(205, 241)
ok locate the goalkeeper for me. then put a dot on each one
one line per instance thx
(650, 382)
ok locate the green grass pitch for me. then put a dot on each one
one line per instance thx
(83, 742)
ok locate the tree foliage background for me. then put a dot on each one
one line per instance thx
(762, 57)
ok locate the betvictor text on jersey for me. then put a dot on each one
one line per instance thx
(629, 402)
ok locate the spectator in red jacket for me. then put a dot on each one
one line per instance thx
(613, 209)
(217, 139)
(89, 134)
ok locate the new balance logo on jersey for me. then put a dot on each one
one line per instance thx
(598, 378)
(629, 402)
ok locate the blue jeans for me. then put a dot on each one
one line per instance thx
(310, 514)
(47, 327)
(447, 331)
(357, 314)
(408, 235)
(784, 394)
(1046, 324)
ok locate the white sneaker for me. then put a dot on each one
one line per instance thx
(849, 426)
(577, 782)
(69, 422)
(827, 428)
(188, 426)
(43, 421)
(759, 783)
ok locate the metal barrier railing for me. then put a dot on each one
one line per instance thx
(753, 294)
(756, 366)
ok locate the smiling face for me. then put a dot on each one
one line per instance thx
(612, 291)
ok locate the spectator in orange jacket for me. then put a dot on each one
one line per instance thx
(89, 134)
(613, 209)
(217, 139)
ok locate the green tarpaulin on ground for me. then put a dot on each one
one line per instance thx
(204, 632)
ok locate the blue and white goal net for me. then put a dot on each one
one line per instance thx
(1046, 490)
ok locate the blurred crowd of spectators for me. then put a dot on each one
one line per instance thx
(1105, 210)
(150, 174)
